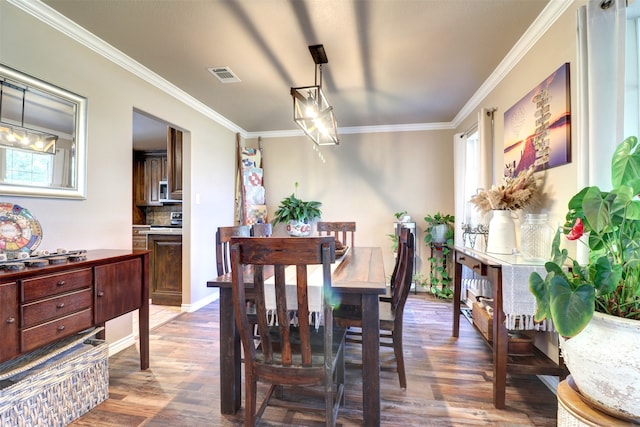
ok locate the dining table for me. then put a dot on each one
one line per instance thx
(358, 279)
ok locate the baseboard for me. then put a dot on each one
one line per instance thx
(121, 344)
(190, 308)
(551, 382)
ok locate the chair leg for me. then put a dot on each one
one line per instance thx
(397, 349)
(251, 388)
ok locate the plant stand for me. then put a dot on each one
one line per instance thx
(440, 278)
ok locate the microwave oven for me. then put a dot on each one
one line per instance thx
(164, 193)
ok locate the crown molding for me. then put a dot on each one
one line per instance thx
(549, 15)
(54, 19)
(41, 11)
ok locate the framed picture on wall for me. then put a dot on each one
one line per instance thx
(537, 129)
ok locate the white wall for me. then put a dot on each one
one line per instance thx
(367, 178)
(104, 219)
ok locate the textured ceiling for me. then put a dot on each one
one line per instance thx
(390, 62)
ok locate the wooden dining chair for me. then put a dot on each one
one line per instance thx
(391, 310)
(223, 239)
(288, 355)
(261, 229)
(342, 231)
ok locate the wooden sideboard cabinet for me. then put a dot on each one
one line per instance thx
(41, 305)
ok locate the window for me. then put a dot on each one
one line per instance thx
(31, 168)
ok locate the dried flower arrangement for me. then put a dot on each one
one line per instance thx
(515, 193)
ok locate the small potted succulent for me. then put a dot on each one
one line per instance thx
(297, 214)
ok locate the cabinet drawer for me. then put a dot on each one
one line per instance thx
(38, 336)
(53, 284)
(50, 308)
(474, 264)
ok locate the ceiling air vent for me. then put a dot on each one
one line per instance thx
(224, 74)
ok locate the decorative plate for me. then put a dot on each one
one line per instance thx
(19, 230)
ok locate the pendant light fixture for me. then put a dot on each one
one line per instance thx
(311, 110)
(20, 137)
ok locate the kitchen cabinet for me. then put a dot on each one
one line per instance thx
(174, 163)
(166, 268)
(139, 236)
(41, 305)
(149, 168)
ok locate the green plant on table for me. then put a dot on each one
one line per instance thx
(294, 209)
(610, 223)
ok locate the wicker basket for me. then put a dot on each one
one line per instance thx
(58, 391)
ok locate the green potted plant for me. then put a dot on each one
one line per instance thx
(438, 237)
(394, 237)
(580, 299)
(297, 214)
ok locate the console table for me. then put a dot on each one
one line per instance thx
(491, 267)
(40, 305)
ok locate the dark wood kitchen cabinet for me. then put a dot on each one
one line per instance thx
(166, 269)
(149, 168)
(41, 305)
(174, 163)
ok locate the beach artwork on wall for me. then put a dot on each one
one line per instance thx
(537, 129)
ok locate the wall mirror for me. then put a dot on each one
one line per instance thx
(43, 133)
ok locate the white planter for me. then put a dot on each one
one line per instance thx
(439, 233)
(298, 228)
(604, 361)
(502, 233)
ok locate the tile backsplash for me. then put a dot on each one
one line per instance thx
(160, 215)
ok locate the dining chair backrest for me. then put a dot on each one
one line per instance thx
(300, 355)
(404, 277)
(223, 239)
(261, 229)
(343, 231)
(403, 234)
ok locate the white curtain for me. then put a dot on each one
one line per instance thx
(601, 59)
(459, 156)
(485, 134)
(601, 91)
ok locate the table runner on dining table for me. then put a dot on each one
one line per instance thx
(314, 292)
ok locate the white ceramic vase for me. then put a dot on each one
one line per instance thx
(604, 362)
(298, 228)
(502, 233)
(439, 233)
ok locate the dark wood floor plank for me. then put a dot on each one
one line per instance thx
(449, 380)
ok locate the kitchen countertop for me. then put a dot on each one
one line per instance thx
(163, 230)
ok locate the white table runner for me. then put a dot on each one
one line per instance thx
(314, 291)
(518, 303)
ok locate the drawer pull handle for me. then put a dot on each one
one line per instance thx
(61, 328)
(11, 320)
(461, 258)
(100, 294)
(60, 283)
(476, 267)
(60, 305)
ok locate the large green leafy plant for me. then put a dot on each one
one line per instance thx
(610, 282)
(293, 208)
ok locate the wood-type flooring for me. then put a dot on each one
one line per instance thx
(449, 380)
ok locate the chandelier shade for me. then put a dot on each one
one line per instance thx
(14, 134)
(314, 115)
(311, 110)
